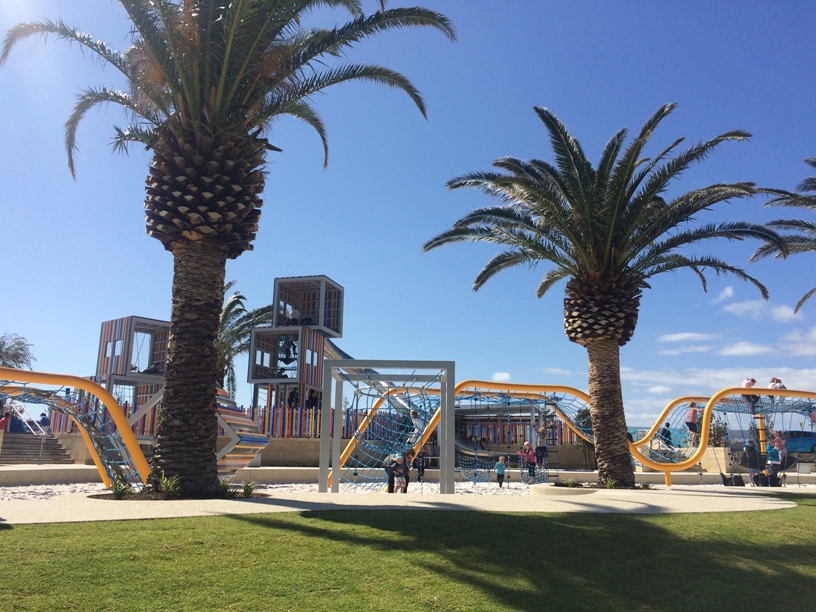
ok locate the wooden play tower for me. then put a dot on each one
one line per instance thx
(286, 359)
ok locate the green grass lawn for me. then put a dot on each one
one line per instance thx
(418, 560)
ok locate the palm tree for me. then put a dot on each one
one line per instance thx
(803, 242)
(234, 335)
(207, 78)
(15, 352)
(606, 229)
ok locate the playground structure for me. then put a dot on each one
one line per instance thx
(94, 412)
(761, 407)
(425, 387)
(293, 363)
(498, 416)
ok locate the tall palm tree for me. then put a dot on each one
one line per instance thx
(15, 352)
(235, 334)
(207, 79)
(606, 229)
(803, 242)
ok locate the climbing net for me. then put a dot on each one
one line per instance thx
(92, 416)
(388, 421)
(495, 421)
(737, 417)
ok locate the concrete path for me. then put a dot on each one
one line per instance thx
(81, 508)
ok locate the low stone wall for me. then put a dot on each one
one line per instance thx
(305, 452)
(293, 452)
(74, 443)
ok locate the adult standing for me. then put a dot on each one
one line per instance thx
(752, 462)
(750, 399)
(691, 421)
(541, 445)
(776, 383)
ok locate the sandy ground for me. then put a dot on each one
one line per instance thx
(33, 492)
(43, 492)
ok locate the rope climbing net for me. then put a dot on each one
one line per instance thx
(90, 414)
(389, 421)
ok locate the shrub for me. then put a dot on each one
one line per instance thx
(249, 488)
(170, 486)
(120, 489)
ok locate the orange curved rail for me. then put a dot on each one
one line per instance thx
(119, 418)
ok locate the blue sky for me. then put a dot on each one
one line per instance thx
(75, 253)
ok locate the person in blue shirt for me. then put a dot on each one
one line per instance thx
(499, 469)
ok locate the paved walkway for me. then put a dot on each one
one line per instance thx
(81, 508)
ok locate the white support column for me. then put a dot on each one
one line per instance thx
(337, 437)
(447, 456)
(325, 428)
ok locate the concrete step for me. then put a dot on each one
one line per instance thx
(31, 449)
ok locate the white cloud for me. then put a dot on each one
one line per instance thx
(744, 349)
(749, 308)
(784, 314)
(725, 294)
(658, 389)
(686, 337)
(696, 348)
(501, 377)
(643, 406)
(800, 343)
(557, 371)
(757, 309)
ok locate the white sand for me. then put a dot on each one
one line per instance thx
(430, 488)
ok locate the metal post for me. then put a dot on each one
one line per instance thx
(325, 429)
(337, 438)
(447, 468)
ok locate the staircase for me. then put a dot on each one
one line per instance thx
(26, 448)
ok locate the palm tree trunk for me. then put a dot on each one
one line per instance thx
(608, 419)
(187, 430)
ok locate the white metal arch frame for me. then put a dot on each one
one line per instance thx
(388, 372)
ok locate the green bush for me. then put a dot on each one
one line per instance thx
(226, 488)
(120, 489)
(170, 486)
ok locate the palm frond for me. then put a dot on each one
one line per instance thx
(147, 21)
(87, 100)
(573, 165)
(300, 109)
(734, 230)
(309, 86)
(551, 277)
(621, 181)
(804, 299)
(502, 261)
(132, 133)
(676, 261)
(64, 32)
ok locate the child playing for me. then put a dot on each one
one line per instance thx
(399, 469)
(499, 469)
